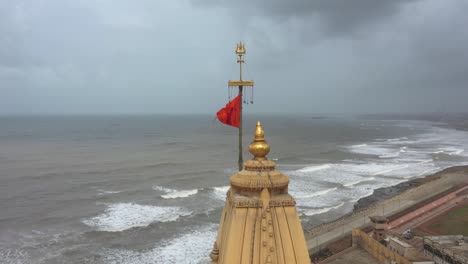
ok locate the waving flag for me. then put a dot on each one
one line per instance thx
(230, 114)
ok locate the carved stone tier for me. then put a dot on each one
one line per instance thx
(259, 165)
(251, 180)
(242, 201)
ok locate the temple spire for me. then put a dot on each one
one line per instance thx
(259, 223)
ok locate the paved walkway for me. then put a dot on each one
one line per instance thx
(426, 212)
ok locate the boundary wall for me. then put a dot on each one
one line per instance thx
(377, 250)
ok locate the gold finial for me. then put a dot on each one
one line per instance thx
(240, 48)
(259, 147)
(259, 133)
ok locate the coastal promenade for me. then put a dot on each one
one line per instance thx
(319, 236)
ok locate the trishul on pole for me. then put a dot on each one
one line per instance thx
(240, 51)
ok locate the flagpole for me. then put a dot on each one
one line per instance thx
(240, 51)
(240, 61)
(240, 128)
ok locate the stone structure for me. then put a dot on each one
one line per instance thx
(401, 247)
(380, 224)
(259, 223)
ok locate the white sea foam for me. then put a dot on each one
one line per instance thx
(309, 193)
(310, 212)
(451, 150)
(162, 189)
(220, 192)
(16, 256)
(360, 180)
(359, 146)
(349, 184)
(179, 194)
(319, 193)
(172, 193)
(396, 139)
(104, 192)
(427, 171)
(396, 160)
(392, 168)
(190, 248)
(314, 168)
(373, 149)
(391, 155)
(122, 216)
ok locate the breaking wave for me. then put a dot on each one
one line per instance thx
(319, 193)
(349, 184)
(314, 168)
(315, 211)
(123, 216)
(190, 248)
(220, 192)
(172, 193)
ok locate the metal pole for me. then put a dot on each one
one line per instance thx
(240, 130)
(240, 116)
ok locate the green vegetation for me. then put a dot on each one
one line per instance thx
(455, 222)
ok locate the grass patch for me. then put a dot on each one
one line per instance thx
(455, 222)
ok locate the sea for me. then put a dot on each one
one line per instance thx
(137, 189)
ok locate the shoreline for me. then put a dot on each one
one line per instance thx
(386, 193)
(404, 197)
(389, 192)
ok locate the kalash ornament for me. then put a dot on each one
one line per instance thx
(259, 222)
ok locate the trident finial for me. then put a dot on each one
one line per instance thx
(240, 48)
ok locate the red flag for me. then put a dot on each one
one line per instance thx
(230, 114)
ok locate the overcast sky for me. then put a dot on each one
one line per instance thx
(306, 56)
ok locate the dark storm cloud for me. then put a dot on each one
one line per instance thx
(336, 16)
(413, 53)
(119, 56)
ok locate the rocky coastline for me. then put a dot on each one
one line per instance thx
(391, 191)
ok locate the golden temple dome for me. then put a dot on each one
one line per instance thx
(259, 148)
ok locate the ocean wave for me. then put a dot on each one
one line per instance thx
(379, 150)
(314, 168)
(396, 139)
(315, 211)
(220, 192)
(393, 168)
(362, 191)
(359, 146)
(319, 193)
(16, 256)
(450, 151)
(104, 192)
(179, 194)
(391, 155)
(123, 216)
(172, 193)
(427, 171)
(349, 184)
(190, 248)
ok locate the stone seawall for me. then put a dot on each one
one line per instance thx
(321, 235)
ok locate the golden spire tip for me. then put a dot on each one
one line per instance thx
(259, 147)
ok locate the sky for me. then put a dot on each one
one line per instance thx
(305, 56)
